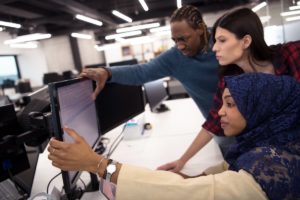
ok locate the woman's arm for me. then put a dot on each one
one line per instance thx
(199, 142)
(140, 183)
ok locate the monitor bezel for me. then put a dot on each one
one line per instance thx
(69, 185)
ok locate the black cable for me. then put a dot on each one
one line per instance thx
(51, 181)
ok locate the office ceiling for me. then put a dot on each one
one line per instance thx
(57, 16)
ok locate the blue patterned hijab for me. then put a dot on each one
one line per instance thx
(269, 147)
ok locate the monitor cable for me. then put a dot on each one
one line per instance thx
(47, 191)
(116, 142)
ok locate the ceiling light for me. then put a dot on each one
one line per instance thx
(283, 14)
(120, 39)
(127, 34)
(292, 18)
(81, 36)
(140, 40)
(259, 6)
(10, 24)
(144, 5)
(265, 19)
(27, 38)
(122, 16)
(1, 29)
(27, 45)
(105, 47)
(139, 27)
(160, 29)
(179, 4)
(294, 7)
(89, 20)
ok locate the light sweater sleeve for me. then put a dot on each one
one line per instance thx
(141, 183)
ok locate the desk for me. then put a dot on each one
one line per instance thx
(172, 133)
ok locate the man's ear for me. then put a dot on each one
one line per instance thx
(247, 40)
(200, 29)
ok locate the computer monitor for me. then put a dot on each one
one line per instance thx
(13, 159)
(9, 68)
(124, 62)
(156, 93)
(117, 104)
(72, 105)
(95, 65)
(8, 121)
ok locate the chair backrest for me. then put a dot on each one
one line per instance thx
(8, 83)
(52, 77)
(23, 87)
(67, 75)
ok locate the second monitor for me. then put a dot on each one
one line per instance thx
(156, 93)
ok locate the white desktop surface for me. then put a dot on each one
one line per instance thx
(172, 133)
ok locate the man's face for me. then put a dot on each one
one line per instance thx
(187, 39)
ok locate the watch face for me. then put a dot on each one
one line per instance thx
(111, 168)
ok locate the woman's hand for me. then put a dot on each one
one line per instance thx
(77, 156)
(100, 75)
(174, 166)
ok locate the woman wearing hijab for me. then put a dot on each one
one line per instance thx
(261, 110)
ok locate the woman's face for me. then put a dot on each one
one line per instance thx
(228, 48)
(187, 39)
(232, 121)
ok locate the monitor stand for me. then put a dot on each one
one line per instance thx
(162, 108)
(135, 128)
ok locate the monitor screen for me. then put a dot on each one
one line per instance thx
(156, 93)
(117, 104)
(9, 68)
(72, 105)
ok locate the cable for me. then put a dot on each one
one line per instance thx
(112, 147)
(51, 181)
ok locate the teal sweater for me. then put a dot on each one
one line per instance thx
(198, 74)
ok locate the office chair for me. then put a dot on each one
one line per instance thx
(23, 87)
(52, 77)
(68, 75)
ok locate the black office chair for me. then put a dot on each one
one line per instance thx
(23, 87)
(68, 75)
(8, 83)
(52, 77)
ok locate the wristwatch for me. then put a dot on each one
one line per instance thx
(110, 170)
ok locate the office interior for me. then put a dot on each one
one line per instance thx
(64, 55)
